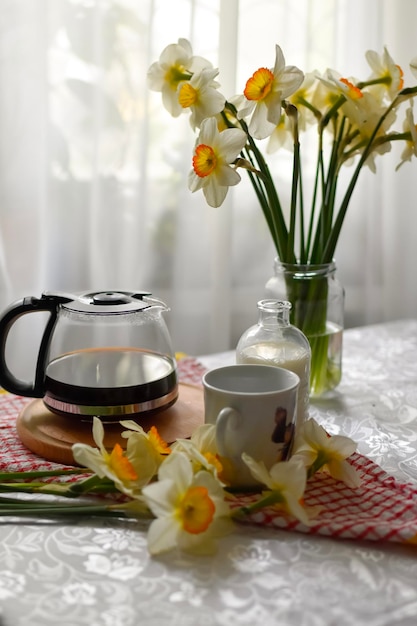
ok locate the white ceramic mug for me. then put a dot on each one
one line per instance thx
(254, 409)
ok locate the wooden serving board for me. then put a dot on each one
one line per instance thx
(51, 436)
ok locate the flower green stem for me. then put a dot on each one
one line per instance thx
(17, 507)
(9, 476)
(270, 498)
(50, 510)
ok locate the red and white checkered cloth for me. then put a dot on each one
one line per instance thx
(381, 509)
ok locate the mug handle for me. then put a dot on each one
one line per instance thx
(228, 419)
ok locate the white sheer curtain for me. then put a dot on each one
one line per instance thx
(93, 191)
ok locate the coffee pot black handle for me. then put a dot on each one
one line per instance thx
(8, 381)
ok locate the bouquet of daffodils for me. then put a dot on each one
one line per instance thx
(352, 121)
(186, 489)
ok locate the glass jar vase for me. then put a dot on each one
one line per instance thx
(317, 299)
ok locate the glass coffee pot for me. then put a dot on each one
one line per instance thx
(105, 354)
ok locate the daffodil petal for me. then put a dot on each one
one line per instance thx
(197, 544)
(258, 470)
(179, 465)
(259, 126)
(131, 426)
(290, 81)
(274, 111)
(226, 176)
(98, 433)
(314, 434)
(162, 535)
(344, 446)
(306, 457)
(86, 456)
(279, 65)
(204, 438)
(343, 470)
(294, 507)
(161, 497)
(231, 141)
(291, 474)
(214, 194)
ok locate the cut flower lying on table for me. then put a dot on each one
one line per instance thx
(184, 487)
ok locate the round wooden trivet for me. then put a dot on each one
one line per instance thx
(52, 436)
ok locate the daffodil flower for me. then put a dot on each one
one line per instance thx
(157, 446)
(386, 74)
(213, 155)
(201, 449)
(176, 64)
(130, 470)
(319, 451)
(410, 127)
(201, 96)
(280, 136)
(286, 482)
(190, 508)
(264, 93)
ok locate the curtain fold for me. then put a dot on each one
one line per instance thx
(93, 170)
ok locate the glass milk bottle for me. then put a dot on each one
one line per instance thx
(274, 341)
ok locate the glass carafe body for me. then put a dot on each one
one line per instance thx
(274, 341)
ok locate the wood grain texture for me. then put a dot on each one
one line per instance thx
(52, 436)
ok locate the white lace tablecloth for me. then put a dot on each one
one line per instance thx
(100, 574)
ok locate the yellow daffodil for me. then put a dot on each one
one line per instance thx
(130, 470)
(201, 96)
(176, 64)
(213, 155)
(319, 451)
(286, 482)
(190, 508)
(264, 93)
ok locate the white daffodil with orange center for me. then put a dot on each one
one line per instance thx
(190, 509)
(201, 449)
(175, 65)
(386, 74)
(336, 84)
(286, 482)
(264, 93)
(129, 469)
(322, 452)
(213, 158)
(201, 96)
(157, 446)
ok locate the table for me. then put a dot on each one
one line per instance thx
(99, 573)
